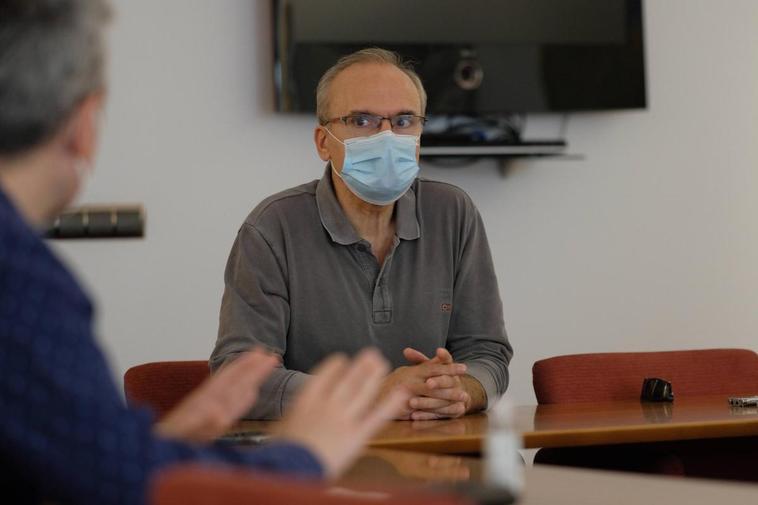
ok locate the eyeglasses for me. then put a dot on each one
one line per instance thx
(366, 124)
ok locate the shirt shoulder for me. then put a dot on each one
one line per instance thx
(282, 206)
(445, 199)
(28, 268)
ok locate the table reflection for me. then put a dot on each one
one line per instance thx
(400, 467)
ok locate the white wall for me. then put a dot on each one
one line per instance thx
(648, 243)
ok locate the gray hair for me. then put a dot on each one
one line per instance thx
(52, 56)
(369, 55)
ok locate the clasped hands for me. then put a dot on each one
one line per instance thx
(439, 387)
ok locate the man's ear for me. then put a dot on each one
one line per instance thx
(83, 128)
(319, 138)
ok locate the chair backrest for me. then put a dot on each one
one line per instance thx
(162, 385)
(618, 376)
(193, 485)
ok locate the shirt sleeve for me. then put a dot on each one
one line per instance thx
(477, 334)
(63, 425)
(255, 310)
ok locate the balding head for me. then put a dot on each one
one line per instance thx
(375, 56)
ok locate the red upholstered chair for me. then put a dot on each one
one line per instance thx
(618, 376)
(205, 486)
(162, 385)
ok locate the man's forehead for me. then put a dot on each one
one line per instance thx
(373, 87)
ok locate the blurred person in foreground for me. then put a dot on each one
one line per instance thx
(65, 434)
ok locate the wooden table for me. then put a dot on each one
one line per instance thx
(633, 422)
(573, 425)
(379, 470)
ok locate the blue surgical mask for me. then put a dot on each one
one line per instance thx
(379, 169)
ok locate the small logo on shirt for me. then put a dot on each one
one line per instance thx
(446, 307)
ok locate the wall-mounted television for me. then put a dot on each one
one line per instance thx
(475, 57)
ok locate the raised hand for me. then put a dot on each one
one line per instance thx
(220, 401)
(337, 410)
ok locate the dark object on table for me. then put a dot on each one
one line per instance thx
(656, 390)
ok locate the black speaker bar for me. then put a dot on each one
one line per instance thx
(102, 221)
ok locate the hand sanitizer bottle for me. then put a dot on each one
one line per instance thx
(504, 467)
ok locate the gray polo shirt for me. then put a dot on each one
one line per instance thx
(302, 282)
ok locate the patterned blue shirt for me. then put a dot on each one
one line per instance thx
(65, 433)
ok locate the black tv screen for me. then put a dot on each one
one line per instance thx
(475, 57)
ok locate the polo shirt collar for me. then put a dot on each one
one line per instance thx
(340, 229)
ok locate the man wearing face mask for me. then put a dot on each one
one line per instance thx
(370, 255)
